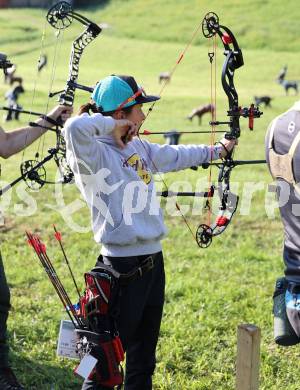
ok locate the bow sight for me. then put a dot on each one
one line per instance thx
(236, 112)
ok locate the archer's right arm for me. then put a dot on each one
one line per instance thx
(81, 134)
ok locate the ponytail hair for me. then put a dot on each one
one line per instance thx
(91, 106)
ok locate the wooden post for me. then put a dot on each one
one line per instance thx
(248, 353)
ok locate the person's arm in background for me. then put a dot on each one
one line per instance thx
(17, 140)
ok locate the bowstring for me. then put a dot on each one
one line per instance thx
(172, 71)
(58, 42)
(41, 51)
(57, 49)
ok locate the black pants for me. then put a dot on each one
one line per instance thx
(4, 309)
(141, 309)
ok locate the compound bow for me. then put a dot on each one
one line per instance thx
(60, 16)
(233, 61)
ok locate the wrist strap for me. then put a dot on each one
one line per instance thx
(221, 143)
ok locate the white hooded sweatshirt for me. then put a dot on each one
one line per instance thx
(118, 184)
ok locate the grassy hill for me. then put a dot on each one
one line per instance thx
(209, 292)
(269, 25)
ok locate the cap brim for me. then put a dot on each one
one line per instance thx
(146, 99)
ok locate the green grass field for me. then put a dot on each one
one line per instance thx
(209, 291)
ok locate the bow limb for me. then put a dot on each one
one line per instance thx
(78, 46)
(227, 208)
(234, 60)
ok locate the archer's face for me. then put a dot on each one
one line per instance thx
(136, 115)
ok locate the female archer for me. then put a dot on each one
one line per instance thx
(114, 171)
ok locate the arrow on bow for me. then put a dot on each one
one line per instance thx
(148, 132)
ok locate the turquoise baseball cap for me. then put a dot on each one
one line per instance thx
(117, 92)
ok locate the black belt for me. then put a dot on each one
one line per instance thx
(126, 278)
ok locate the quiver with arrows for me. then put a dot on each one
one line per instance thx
(99, 304)
(99, 308)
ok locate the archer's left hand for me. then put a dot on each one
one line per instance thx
(227, 146)
(62, 112)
